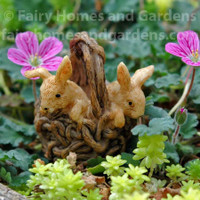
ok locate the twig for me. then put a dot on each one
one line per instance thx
(34, 90)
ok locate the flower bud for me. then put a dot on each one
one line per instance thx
(181, 116)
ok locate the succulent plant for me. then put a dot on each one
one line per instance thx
(174, 172)
(150, 148)
(57, 181)
(193, 169)
(137, 173)
(113, 165)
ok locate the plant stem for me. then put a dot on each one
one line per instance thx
(186, 91)
(188, 76)
(139, 121)
(151, 171)
(181, 100)
(186, 70)
(191, 141)
(192, 81)
(34, 90)
(176, 134)
(3, 83)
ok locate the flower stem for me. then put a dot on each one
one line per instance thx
(186, 92)
(176, 134)
(34, 89)
(181, 100)
(186, 70)
(191, 84)
(188, 76)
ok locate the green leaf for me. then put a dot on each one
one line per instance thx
(182, 8)
(27, 10)
(17, 133)
(96, 169)
(27, 93)
(155, 112)
(161, 69)
(68, 5)
(8, 17)
(194, 94)
(149, 101)
(95, 161)
(188, 129)
(6, 176)
(117, 6)
(129, 159)
(171, 152)
(184, 150)
(6, 64)
(18, 157)
(195, 22)
(20, 180)
(111, 68)
(156, 126)
(166, 81)
(160, 98)
(135, 48)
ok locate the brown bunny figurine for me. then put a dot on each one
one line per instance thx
(126, 95)
(59, 93)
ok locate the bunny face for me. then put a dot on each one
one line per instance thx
(53, 96)
(132, 102)
(126, 93)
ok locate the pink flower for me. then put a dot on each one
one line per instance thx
(187, 49)
(31, 55)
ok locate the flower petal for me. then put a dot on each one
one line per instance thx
(174, 49)
(27, 42)
(188, 61)
(49, 48)
(52, 64)
(26, 68)
(17, 56)
(188, 41)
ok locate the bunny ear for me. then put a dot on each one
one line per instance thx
(123, 76)
(64, 70)
(39, 72)
(142, 75)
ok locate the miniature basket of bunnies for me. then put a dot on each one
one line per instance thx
(79, 112)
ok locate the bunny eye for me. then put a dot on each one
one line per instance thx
(57, 95)
(130, 103)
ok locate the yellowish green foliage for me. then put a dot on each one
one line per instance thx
(113, 165)
(174, 172)
(150, 149)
